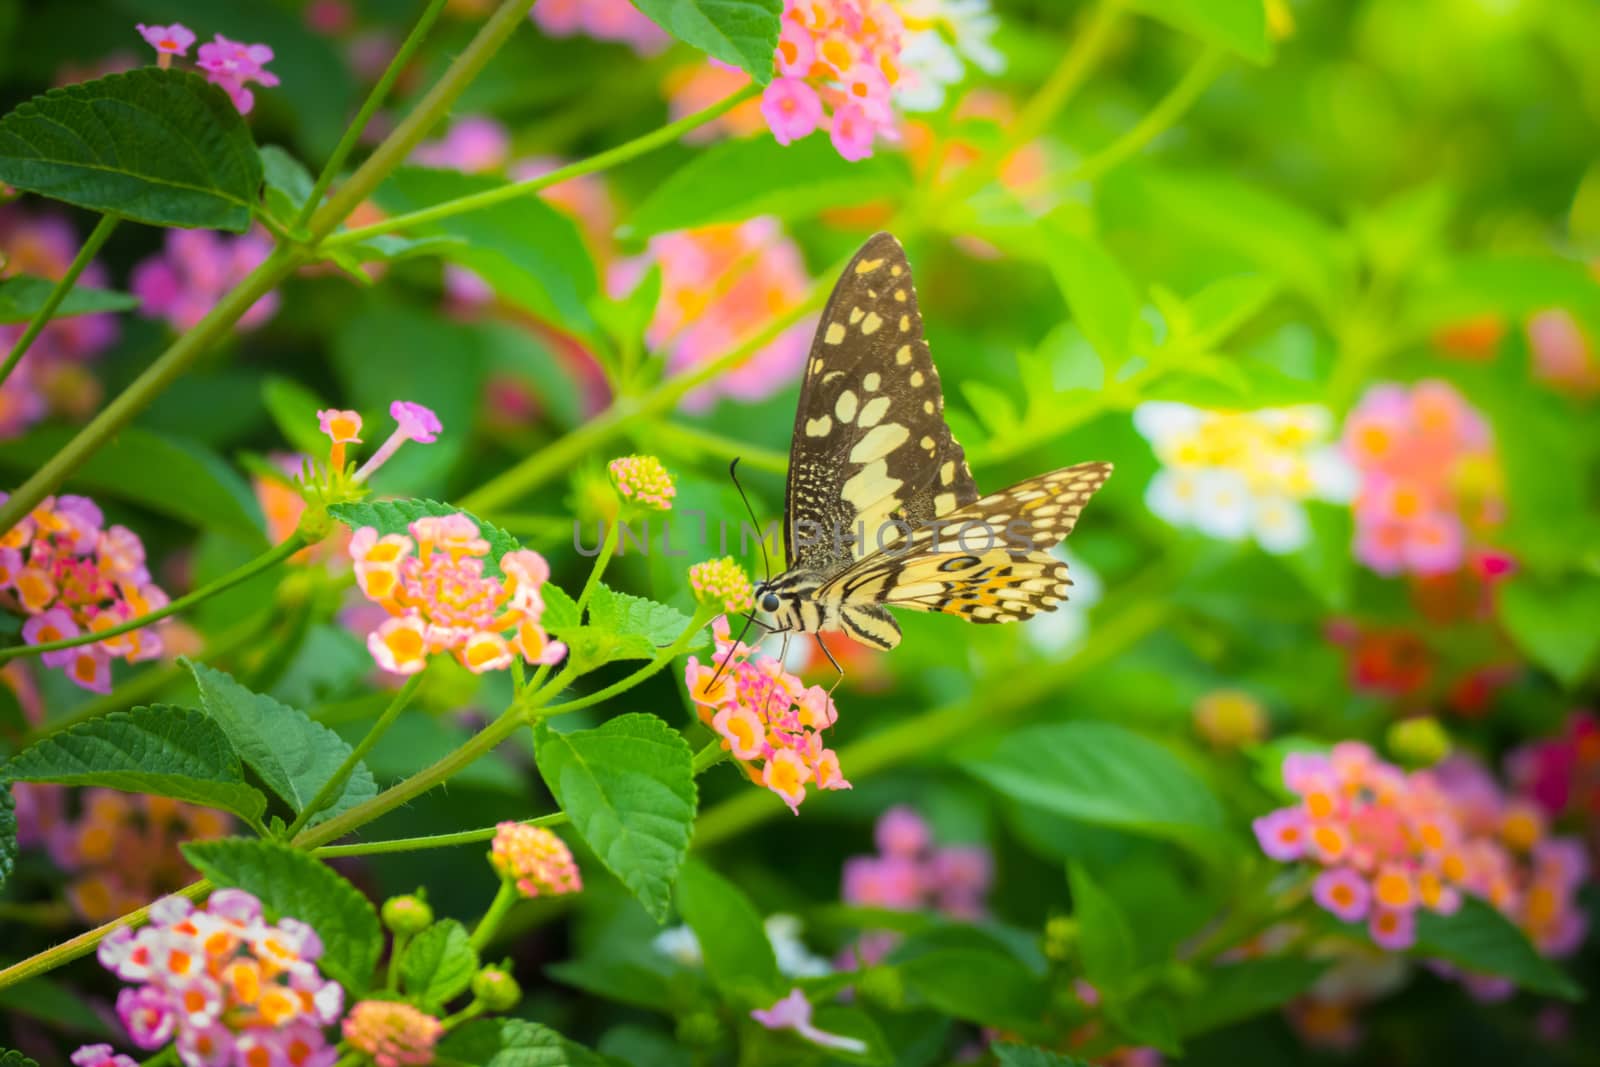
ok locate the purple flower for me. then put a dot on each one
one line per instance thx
(1343, 892)
(418, 423)
(1282, 834)
(901, 832)
(173, 40)
(101, 1055)
(793, 1012)
(147, 1015)
(231, 65)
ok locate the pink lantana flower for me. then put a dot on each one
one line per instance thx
(413, 422)
(233, 65)
(168, 41)
(793, 1012)
(792, 109)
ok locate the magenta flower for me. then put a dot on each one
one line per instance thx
(413, 423)
(168, 41)
(147, 1015)
(232, 65)
(793, 1012)
(604, 20)
(101, 1055)
(1393, 929)
(194, 271)
(1342, 892)
(1282, 834)
(475, 144)
(792, 108)
(901, 832)
(852, 132)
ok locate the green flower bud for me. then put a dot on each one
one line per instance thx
(701, 1029)
(407, 915)
(882, 985)
(1060, 935)
(495, 987)
(1418, 742)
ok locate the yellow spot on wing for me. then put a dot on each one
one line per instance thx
(845, 408)
(855, 315)
(874, 410)
(879, 442)
(870, 324)
(903, 356)
(871, 382)
(867, 266)
(835, 333)
(819, 427)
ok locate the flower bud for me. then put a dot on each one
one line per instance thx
(702, 1029)
(882, 985)
(1418, 742)
(495, 987)
(407, 915)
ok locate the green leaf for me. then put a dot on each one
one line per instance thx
(1239, 25)
(294, 408)
(1105, 941)
(1008, 1055)
(733, 941)
(10, 1057)
(653, 984)
(737, 180)
(438, 965)
(636, 616)
(8, 832)
(295, 884)
(396, 516)
(1101, 773)
(21, 298)
(508, 1043)
(560, 611)
(293, 755)
(1237, 991)
(288, 183)
(981, 985)
(1479, 938)
(1553, 622)
(1102, 299)
(526, 250)
(165, 750)
(1221, 308)
(741, 32)
(159, 146)
(168, 475)
(628, 787)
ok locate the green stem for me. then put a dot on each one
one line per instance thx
(940, 729)
(503, 899)
(714, 752)
(335, 783)
(41, 318)
(513, 190)
(695, 442)
(84, 943)
(433, 107)
(412, 844)
(397, 951)
(369, 107)
(145, 388)
(607, 546)
(267, 560)
(1156, 121)
(665, 656)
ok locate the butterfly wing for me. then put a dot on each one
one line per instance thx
(870, 444)
(986, 561)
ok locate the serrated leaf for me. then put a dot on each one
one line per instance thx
(10, 1057)
(22, 296)
(169, 475)
(295, 884)
(438, 965)
(740, 179)
(164, 750)
(733, 942)
(508, 1043)
(160, 146)
(1009, 1055)
(741, 32)
(560, 611)
(1107, 775)
(1479, 938)
(628, 787)
(636, 616)
(396, 516)
(293, 755)
(288, 183)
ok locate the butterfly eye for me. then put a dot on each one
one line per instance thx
(769, 602)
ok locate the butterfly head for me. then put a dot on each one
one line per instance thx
(782, 597)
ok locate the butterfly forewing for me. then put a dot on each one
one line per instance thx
(871, 455)
(985, 561)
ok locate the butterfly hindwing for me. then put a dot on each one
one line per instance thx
(870, 444)
(986, 561)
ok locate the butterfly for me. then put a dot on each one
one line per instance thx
(880, 509)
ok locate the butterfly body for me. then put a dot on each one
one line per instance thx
(880, 509)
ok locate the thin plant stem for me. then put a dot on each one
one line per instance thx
(513, 190)
(369, 107)
(335, 782)
(504, 898)
(413, 844)
(1156, 121)
(607, 546)
(661, 659)
(266, 561)
(433, 107)
(695, 441)
(41, 318)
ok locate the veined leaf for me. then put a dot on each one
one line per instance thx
(636, 616)
(982, 985)
(165, 750)
(741, 32)
(1102, 299)
(737, 954)
(396, 517)
(1106, 942)
(295, 884)
(161, 146)
(1237, 991)
(21, 298)
(511, 1043)
(294, 756)
(1479, 938)
(438, 965)
(288, 183)
(628, 786)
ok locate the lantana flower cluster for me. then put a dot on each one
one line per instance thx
(53, 376)
(720, 285)
(644, 481)
(1386, 843)
(1430, 483)
(393, 1033)
(434, 586)
(229, 64)
(71, 575)
(195, 270)
(121, 851)
(604, 20)
(768, 719)
(723, 584)
(225, 984)
(537, 861)
(1243, 474)
(1561, 774)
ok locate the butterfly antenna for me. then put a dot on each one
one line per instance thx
(761, 537)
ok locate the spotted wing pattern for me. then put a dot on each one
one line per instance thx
(987, 561)
(870, 444)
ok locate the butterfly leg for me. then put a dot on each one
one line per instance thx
(772, 686)
(836, 667)
(749, 621)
